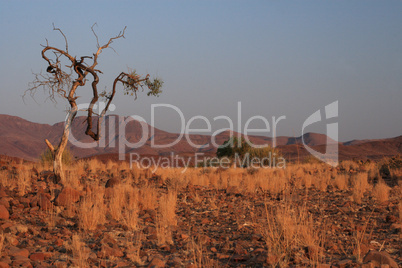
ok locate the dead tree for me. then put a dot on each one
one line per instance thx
(63, 80)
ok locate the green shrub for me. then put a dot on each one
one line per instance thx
(232, 147)
(239, 148)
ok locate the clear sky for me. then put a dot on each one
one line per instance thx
(278, 58)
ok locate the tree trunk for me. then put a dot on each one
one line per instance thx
(58, 164)
(58, 152)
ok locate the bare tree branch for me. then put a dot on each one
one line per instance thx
(65, 38)
(97, 40)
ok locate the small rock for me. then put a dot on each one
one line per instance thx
(175, 261)
(323, 265)
(156, 262)
(2, 192)
(11, 239)
(4, 201)
(19, 252)
(391, 219)
(381, 258)
(344, 263)
(67, 196)
(184, 236)
(4, 214)
(39, 256)
(107, 251)
(44, 201)
(369, 265)
(205, 221)
(222, 256)
(21, 262)
(112, 182)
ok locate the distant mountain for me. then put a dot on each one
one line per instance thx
(24, 139)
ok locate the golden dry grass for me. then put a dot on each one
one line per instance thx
(286, 228)
(166, 218)
(92, 210)
(341, 182)
(23, 181)
(2, 238)
(381, 191)
(135, 250)
(360, 186)
(79, 253)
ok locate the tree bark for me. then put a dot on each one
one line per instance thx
(58, 152)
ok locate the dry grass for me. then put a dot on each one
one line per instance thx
(51, 216)
(381, 191)
(341, 182)
(1, 244)
(166, 218)
(287, 229)
(360, 186)
(116, 202)
(131, 208)
(167, 208)
(5, 180)
(148, 197)
(23, 181)
(73, 176)
(163, 231)
(92, 210)
(199, 255)
(133, 252)
(349, 165)
(79, 251)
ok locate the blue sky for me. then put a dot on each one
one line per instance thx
(277, 58)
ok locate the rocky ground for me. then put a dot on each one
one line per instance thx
(214, 228)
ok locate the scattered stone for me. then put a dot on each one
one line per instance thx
(344, 263)
(107, 252)
(4, 202)
(381, 258)
(44, 201)
(112, 182)
(156, 262)
(67, 196)
(222, 256)
(4, 214)
(19, 252)
(40, 256)
(323, 265)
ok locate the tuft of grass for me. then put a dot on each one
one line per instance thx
(341, 182)
(381, 191)
(79, 252)
(23, 181)
(92, 211)
(1, 244)
(133, 253)
(148, 197)
(287, 229)
(166, 218)
(360, 186)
